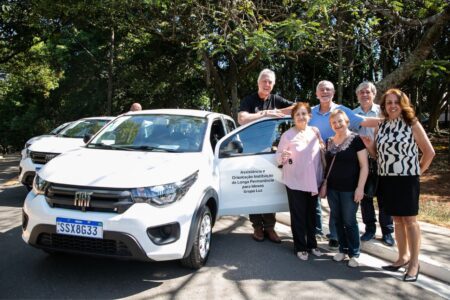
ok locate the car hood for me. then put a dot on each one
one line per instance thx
(37, 138)
(55, 144)
(120, 169)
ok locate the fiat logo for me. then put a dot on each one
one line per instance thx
(82, 199)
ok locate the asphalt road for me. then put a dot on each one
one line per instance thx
(238, 268)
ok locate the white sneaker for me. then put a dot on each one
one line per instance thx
(316, 252)
(302, 255)
(339, 257)
(353, 262)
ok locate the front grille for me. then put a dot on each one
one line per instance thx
(42, 157)
(82, 244)
(98, 200)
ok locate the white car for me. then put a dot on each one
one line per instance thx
(39, 150)
(37, 138)
(151, 184)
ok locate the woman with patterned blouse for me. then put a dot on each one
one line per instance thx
(397, 143)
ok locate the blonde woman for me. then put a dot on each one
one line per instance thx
(348, 164)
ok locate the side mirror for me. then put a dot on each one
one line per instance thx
(237, 145)
(233, 147)
(87, 137)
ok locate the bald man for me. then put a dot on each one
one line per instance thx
(135, 107)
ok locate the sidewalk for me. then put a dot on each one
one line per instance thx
(435, 249)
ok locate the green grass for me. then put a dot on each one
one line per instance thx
(435, 212)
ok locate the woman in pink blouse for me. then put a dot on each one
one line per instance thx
(299, 154)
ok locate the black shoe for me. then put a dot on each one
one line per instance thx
(388, 240)
(393, 268)
(367, 236)
(333, 244)
(409, 278)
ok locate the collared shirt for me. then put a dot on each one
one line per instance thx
(322, 120)
(374, 111)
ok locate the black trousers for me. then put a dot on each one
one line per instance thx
(302, 207)
(266, 221)
(370, 219)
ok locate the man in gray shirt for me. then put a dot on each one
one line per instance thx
(366, 92)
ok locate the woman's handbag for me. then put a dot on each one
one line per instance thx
(322, 149)
(323, 186)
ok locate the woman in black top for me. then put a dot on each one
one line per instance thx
(347, 158)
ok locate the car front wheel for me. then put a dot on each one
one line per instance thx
(200, 249)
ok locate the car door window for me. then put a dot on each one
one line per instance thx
(217, 132)
(260, 138)
(230, 125)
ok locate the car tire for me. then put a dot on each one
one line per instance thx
(199, 252)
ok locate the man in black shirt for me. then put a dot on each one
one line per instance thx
(253, 107)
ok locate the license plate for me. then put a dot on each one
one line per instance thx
(92, 229)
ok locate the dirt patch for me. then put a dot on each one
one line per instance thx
(435, 185)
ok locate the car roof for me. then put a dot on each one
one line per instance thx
(97, 118)
(179, 111)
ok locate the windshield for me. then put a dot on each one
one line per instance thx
(79, 128)
(168, 133)
(59, 128)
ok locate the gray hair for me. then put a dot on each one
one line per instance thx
(267, 72)
(367, 84)
(324, 82)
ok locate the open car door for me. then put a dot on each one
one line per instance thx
(250, 179)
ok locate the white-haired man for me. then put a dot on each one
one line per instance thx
(366, 92)
(253, 107)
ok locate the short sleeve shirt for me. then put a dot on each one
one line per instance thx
(253, 104)
(344, 173)
(374, 111)
(322, 120)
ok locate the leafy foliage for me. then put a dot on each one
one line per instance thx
(62, 60)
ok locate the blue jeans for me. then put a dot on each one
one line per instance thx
(343, 212)
(331, 226)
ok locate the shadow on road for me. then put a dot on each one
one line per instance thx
(60, 276)
(13, 196)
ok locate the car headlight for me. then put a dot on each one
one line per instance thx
(27, 152)
(39, 185)
(162, 195)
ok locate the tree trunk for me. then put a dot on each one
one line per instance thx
(420, 53)
(217, 82)
(110, 74)
(340, 59)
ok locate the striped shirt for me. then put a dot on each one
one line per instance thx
(398, 154)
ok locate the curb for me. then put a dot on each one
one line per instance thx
(374, 247)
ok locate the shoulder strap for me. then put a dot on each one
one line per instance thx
(316, 131)
(331, 165)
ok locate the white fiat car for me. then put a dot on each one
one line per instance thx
(151, 184)
(38, 151)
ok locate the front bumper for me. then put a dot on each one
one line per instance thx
(124, 235)
(27, 171)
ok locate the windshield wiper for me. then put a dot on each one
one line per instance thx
(152, 148)
(113, 147)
